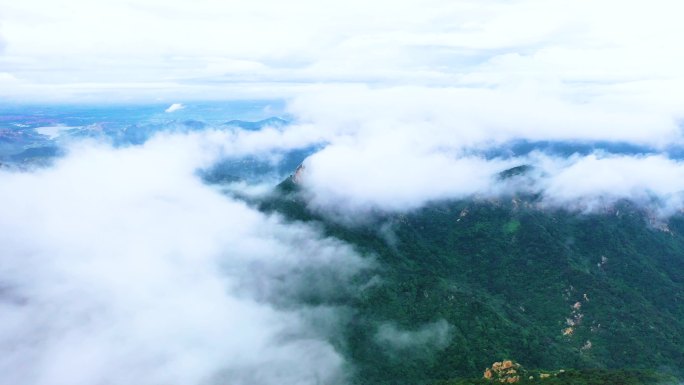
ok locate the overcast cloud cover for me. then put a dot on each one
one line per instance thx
(119, 266)
(117, 50)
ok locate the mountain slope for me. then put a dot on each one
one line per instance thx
(549, 288)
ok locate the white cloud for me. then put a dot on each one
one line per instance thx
(7, 79)
(399, 148)
(174, 107)
(459, 117)
(353, 182)
(429, 337)
(392, 176)
(597, 181)
(120, 266)
(211, 49)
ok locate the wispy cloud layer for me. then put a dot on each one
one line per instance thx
(428, 338)
(120, 266)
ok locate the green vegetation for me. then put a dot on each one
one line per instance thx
(579, 377)
(512, 226)
(598, 293)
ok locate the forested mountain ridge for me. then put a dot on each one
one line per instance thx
(475, 281)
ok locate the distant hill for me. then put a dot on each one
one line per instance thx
(566, 148)
(23, 144)
(461, 284)
(253, 126)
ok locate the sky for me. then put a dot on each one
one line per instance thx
(120, 266)
(79, 50)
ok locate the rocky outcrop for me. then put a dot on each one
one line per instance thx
(298, 174)
(507, 372)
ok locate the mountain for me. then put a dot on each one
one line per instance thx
(255, 169)
(567, 148)
(461, 284)
(257, 125)
(37, 140)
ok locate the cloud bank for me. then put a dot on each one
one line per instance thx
(119, 266)
(350, 183)
(397, 149)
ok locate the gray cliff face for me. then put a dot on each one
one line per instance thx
(298, 175)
